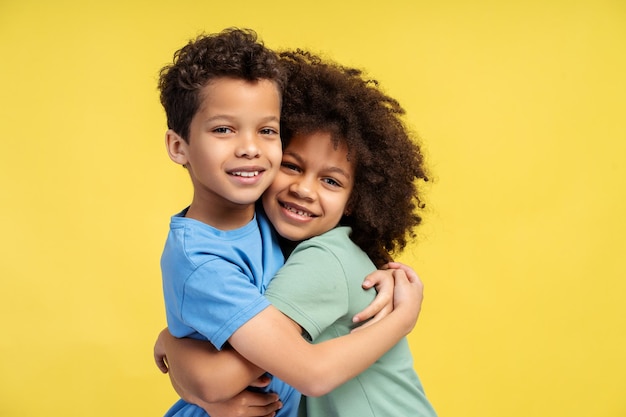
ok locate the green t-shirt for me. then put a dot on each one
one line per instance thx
(319, 287)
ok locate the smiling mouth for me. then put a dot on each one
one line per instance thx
(297, 211)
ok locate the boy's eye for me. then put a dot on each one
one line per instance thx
(269, 131)
(223, 130)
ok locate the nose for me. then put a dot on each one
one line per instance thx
(303, 188)
(247, 146)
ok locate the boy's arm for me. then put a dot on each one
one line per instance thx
(200, 371)
(273, 341)
(244, 404)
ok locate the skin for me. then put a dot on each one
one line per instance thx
(232, 154)
(311, 190)
(307, 198)
(234, 150)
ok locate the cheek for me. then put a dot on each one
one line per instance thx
(281, 181)
(210, 156)
(270, 194)
(275, 153)
(341, 208)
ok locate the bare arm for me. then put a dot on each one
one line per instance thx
(212, 376)
(199, 371)
(316, 369)
(244, 404)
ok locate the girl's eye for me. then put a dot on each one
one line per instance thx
(222, 130)
(332, 182)
(290, 166)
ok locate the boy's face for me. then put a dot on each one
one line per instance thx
(234, 148)
(311, 190)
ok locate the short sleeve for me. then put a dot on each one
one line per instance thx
(217, 299)
(311, 288)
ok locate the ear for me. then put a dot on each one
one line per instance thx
(347, 211)
(177, 147)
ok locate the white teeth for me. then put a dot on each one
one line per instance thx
(298, 212)
(246, 174)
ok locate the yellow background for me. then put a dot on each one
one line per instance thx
(521, 106)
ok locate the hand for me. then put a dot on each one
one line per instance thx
(407, 269)
(383, 281)
(382, 305)
(159, 352)
(407, 296)
(248, 403)
(245, 404)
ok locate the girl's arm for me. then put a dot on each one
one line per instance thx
(316, 369)
(211, 376)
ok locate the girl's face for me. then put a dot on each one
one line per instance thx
(309, 194)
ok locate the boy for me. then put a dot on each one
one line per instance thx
(222, 98)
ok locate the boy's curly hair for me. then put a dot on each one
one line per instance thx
(234, 52)
(325, 96)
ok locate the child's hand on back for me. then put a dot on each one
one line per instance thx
(383, 281)
(407, 269)
(408, 295)
(382, 305)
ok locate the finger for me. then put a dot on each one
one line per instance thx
(411, 274)
(380, 303)
(379, 316)
(413, 278)
(161, 362)
(268, 410)
(158, 352)
(162, 367)
(407, 290)
(399, 278)
(375, 279)
(262, 381)
(257, 399)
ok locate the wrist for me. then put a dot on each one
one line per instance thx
(407, 317)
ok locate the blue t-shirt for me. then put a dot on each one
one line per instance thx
(213, 283)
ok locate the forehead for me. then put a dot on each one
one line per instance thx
(319, 150)
(224, 87)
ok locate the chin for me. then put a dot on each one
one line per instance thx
(290, 235)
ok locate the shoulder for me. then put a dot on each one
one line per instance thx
(338, 236)
(336, 241)
(331, 253)
(200, 243)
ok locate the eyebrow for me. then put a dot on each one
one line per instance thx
(330, 169)
(340, 171)
(229, 117)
